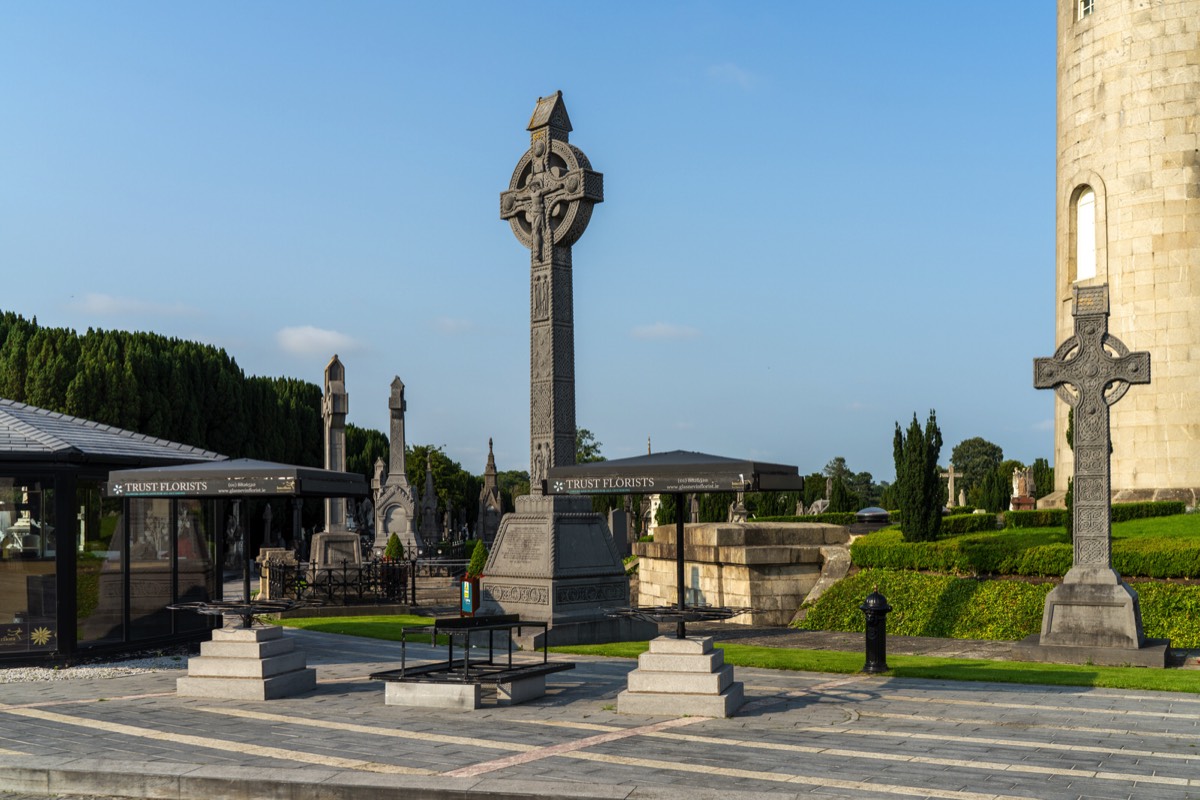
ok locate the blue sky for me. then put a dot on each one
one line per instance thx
(819, 218)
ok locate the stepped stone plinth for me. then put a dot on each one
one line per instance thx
(247, 664)
(680, 677)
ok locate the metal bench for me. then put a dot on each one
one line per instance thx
(456, 683)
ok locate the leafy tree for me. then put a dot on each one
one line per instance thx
(1043, 478)
(918, 486)
(975, 458)
(512, 484)
(587, 448)
(836, 468)
(995, 491)
(456, 488)
(363, 446)
(840, 498)
(814, 488)
(394, 550)
(479, 557)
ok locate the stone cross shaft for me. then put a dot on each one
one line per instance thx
(1100, 369)
(548, 204)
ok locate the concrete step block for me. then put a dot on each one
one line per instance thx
(210, 667)
(432, 695)
(263, 634)
(724, 704)
(285, 685)
(681, 682)
(667, 662)
(266, 649)
(692, 645)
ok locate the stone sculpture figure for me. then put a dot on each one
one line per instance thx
(1093, 609)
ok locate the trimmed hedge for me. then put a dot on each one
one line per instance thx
(1035, 554)
(1121, 512)
(968, 608)
(968, 523)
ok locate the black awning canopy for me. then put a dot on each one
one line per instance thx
(678, 471)
(239, 477)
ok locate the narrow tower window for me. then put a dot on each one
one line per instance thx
(1086, 7)
(1085, 235)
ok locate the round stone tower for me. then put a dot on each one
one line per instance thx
(1128, 213)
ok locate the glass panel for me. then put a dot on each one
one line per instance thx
(149, 567)
(197, 551)
(99, 576)
(1085, 240)
(28, 591)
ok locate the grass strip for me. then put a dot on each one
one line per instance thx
(931, 667)
(371, 627)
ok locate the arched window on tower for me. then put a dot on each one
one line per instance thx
(1085, 235)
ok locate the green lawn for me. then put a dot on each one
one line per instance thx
(388, 627)
(371, 627)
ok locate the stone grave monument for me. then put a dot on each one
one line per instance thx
(554, 560)
(395, 502)
(1093, 617)
(337, 537)
(490, 507)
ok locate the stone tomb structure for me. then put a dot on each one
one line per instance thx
(768, 568)
(554, 560)
(395, 501)
(1093, 617)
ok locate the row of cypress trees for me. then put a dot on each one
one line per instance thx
(165, 387)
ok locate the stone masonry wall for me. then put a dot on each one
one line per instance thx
(769, 567)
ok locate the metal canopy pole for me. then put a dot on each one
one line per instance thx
(680, 626)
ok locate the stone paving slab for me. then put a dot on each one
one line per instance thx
(801, 735)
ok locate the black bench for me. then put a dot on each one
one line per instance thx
(455, 683)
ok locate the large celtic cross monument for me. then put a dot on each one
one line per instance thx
(548, 204)
(1093, 616)
(553, 559)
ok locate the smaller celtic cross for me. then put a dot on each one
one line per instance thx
(1100, 369)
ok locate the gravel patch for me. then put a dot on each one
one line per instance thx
(105, 669)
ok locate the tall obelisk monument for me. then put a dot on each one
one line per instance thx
(554, 560)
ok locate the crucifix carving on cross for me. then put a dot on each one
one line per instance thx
(548, 204)
(1091, 371)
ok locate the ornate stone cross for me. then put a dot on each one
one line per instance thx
(548, 204)
(1100, 369)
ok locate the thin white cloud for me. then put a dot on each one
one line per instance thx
(111, 305)
(452, 326)
(307, 340)
(664, 330)
(730, 74)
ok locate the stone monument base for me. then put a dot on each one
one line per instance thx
(1093, 617)
(1152, 654)
(680, 677)
(555, 561)
(247, 664)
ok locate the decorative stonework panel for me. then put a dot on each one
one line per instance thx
(528, 595)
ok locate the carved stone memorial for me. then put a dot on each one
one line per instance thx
(554, 559)
(1093, 616)
(395, 501)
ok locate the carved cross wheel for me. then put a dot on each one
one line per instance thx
(550, 196)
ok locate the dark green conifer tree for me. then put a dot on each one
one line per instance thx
(918, 486)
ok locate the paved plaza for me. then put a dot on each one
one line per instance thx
(799, 735)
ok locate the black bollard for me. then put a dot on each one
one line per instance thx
(876, 609)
